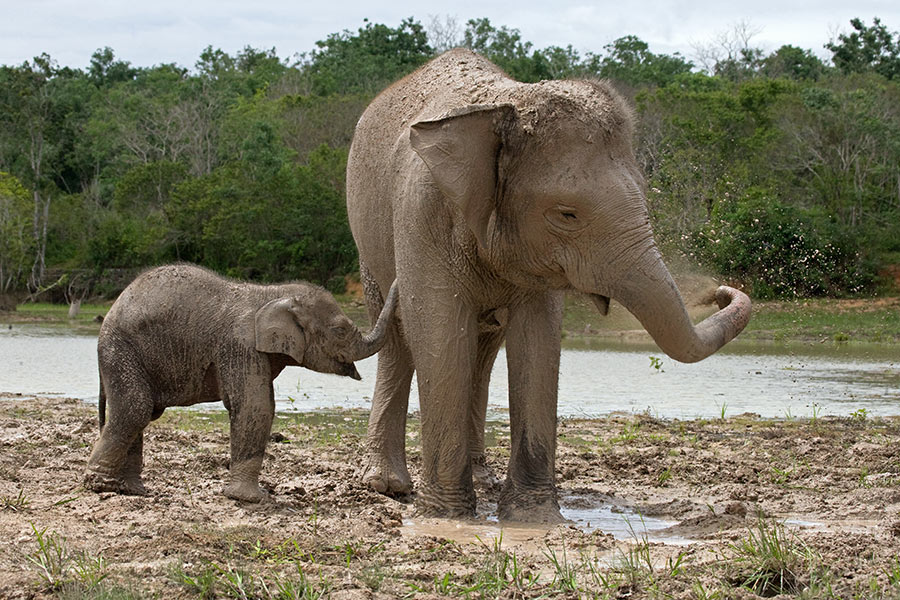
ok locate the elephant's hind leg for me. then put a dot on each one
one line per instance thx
(385, 469)
(117, 458)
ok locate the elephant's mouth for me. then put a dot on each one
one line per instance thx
(601, 302)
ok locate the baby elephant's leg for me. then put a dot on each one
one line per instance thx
(251, 424)
(116, 460)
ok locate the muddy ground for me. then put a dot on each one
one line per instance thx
(803, 508)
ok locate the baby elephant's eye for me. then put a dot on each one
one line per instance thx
(340, 328)
(569, 216)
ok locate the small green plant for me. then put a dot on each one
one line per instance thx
(501, 570)
(237, 583)
(202, 584)
(893, 573)
(674, 565)
(781, 476)
(773, 559)
(636, 564)
(701, 593)
(51, 559)
(15, 504)
(841, 337)
(89, 570)
(444, 585)
(314, 517)
(722, 408)
(664, 476)
(58, 567)
(565, 577)
(373, 576)
(300, 587)
(814, 417)
(656, 363)
(607, 581)
(629, 432)
(864, 478)
(859, 416)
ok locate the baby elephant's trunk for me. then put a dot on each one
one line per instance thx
(372, 343)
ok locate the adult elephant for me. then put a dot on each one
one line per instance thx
(487, 198)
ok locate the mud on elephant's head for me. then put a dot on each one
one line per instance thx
(546, 179)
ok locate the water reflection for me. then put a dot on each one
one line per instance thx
(597, 377)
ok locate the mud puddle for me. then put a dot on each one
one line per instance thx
(620, 522)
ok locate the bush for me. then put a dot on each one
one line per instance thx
(780, 251)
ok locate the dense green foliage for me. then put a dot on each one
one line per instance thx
(777, 172)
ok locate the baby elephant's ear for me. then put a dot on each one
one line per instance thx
(277, 330)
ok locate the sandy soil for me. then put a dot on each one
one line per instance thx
(814, 502)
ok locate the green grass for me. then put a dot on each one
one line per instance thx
(46, 310)
(771, 560)
(59, 567)
(824, 320)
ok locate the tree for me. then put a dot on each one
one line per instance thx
(629, 60)
(868, 48)
(105, 70)
(26, 121)
(505, 47)
(367, 61)
(443, 33)
(16, 243)
(731, 56)
(842, 142)
(794, 63)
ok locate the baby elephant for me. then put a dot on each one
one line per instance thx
(180, 335)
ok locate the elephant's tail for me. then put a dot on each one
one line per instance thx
(101, 405)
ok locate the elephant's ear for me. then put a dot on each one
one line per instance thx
(278, 331)
(461, 150)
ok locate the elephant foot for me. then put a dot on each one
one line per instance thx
(387, 478)
(133, 487)
(533, 507)
(100, 482)
(483, 475)
(246, 491)
(432, 501)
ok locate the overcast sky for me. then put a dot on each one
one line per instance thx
(149, 32)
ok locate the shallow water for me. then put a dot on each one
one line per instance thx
(596, 378)
(620, 522)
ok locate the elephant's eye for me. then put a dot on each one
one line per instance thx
(564, 217)
(341, 328)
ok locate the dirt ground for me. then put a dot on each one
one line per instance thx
(803, 508)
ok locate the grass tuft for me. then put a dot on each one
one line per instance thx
(772, 560)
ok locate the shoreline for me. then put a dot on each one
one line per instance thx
(803, 321)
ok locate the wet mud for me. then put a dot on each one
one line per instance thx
(657, 509)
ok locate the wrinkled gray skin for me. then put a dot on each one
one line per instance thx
(486, 199)
(180, 335)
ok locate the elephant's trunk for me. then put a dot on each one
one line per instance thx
(650, 294)
(369, 344)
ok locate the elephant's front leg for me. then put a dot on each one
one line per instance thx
(385, 469)
(251, 412)
(443, 335)
(532, 351)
